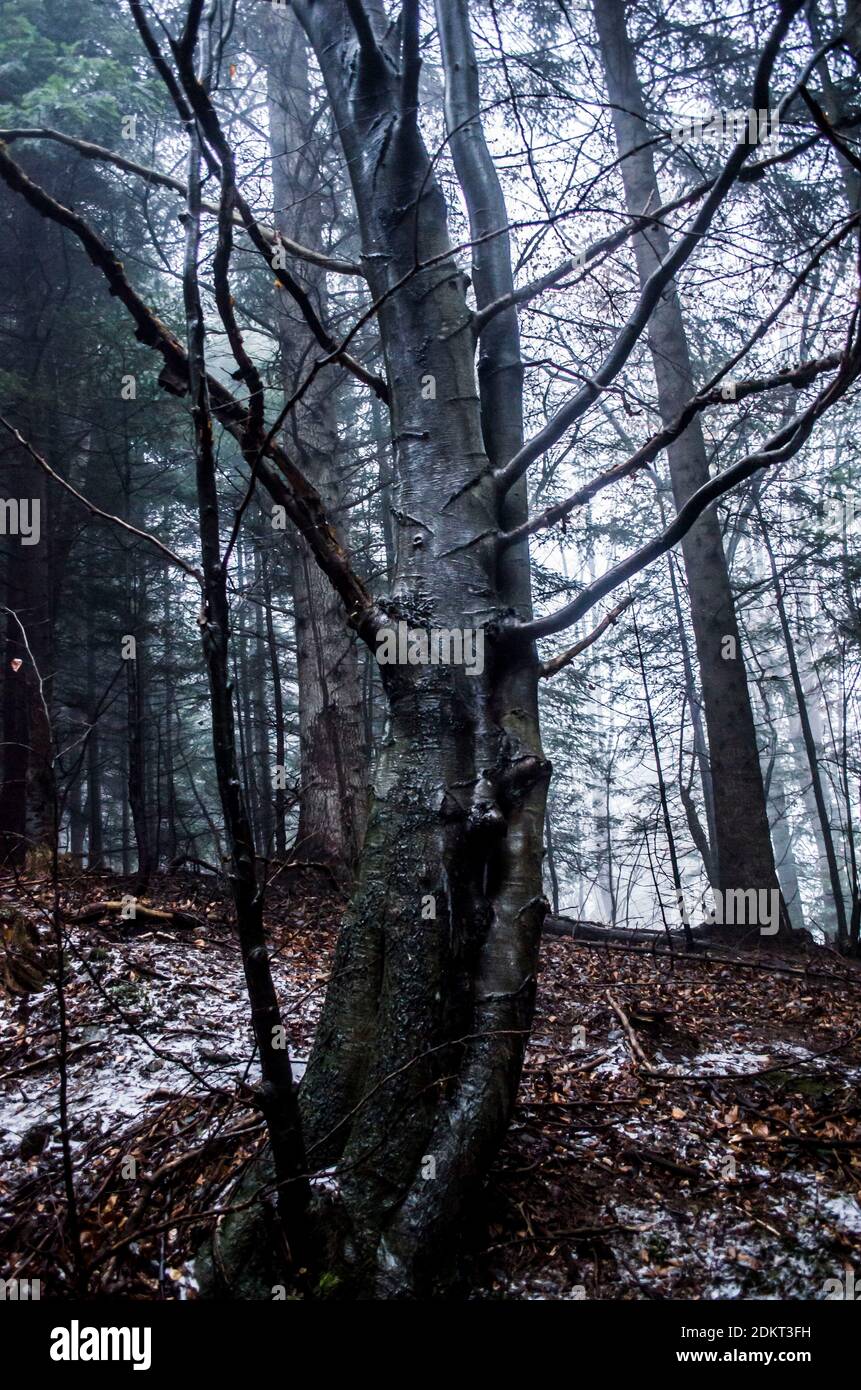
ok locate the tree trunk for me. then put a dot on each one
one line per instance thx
(418, 1053)
(784, 853)
(742, 845)
(262, 759)
(280, 799)
(809, 746)
(13, 798)
(137, 764)
(27, 798)
(169, 697)
(333, 757)
(95, 845)
(77, 820)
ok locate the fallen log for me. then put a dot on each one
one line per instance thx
(171, 918)
(706, 951)
(584, 930)
(703, 934)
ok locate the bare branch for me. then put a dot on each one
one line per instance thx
(558, 663)
(824, 125)
(604, 245)
(793, 376)
(657, 282)
(780, 446)
(159, 61)
(211, 128)
(130, 166)
(285, 483)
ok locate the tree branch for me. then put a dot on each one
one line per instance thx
(372, 58)
(130, 166)
(660, 277)
(211, 127)
(797, 377)
(158, 60)
(533, 288)
(558, 663)
(285, 483)
(780, 446)
(823, 124)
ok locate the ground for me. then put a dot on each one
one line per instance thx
(687, 1128)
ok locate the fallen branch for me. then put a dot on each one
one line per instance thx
(596, 936)
(174, 917)
(661, 1161)
(53, 1061)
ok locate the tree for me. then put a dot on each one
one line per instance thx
(742, 850)
(332, 806)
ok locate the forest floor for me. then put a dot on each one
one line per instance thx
(686, 1128)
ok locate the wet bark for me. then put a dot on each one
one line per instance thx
(418, 1053)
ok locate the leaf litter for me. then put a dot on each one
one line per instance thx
(685, 1128)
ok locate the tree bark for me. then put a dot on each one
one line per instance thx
(419, 1048)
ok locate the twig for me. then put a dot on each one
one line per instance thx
(637, 1050)
(51, 1061)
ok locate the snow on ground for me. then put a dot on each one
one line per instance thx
(151, 1038)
